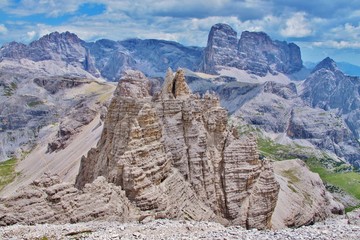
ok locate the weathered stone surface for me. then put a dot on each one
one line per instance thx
(354, 217)
(263, 55)
(303, 198)
(254, 52)
(50, 201)
(134, 85)
(221, 48)
(178, 144)
(328, 88)
(81, 114)
(314, 126)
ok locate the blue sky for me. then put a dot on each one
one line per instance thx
(321, 28)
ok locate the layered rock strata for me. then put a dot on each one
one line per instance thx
(174, 155)
(50, 201)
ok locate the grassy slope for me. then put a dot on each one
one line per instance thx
(339, 175)
(7, 172)
(349, 181)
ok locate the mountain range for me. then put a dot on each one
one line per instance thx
(243, 71)
(196, 134)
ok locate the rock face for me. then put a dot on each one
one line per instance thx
(105, 58)
(337, 138)
(50, 201)
(321, 112)
(255, 52)
(174, 155)
(221, 48)
(329, 89)
(29, 104)
(66, 47)
(265, 55)
(77, 117)
(303, 198)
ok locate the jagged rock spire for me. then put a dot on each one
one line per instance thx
(166, 92)
(326, 63)
(175, 87)
(180, 89)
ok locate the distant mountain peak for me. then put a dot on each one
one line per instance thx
(58, 37)
(328, 64)
(222, 26)
(223, 35)
(254, 52)
(256, 35)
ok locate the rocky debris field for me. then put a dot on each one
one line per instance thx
(167, 229)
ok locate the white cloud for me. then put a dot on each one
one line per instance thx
(51, 8)
(3, 29)
(346, 31)
(31, 35)
(337, 44)
(296, 26)
(4, 3)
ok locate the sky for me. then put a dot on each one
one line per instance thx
(320, 27)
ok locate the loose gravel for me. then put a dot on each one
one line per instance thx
(331, 229)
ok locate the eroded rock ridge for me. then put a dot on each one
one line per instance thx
(175, 155)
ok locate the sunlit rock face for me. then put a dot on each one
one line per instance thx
(175, 155)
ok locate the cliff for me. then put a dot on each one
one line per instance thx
(175, 155)
(254, 52)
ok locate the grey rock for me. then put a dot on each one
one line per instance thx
(328, 88)
(255, 52)
(221, 48)
(334, 229)
(354, 217)
(175, 156)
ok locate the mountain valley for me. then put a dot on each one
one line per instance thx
(229, 137)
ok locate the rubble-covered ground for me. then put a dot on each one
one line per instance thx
(167, 229)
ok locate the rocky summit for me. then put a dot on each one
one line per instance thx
(254, 52)
(178, 145)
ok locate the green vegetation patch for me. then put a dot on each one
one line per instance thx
(292, 188)
(10, 89)
(291, 175)
(341, 175)
(278, 152)
(348, 181)
(35, 103)
(7, 172)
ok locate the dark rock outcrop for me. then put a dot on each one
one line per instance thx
(255, 52)
(260, 53)
(221, 48)
(328, 88)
